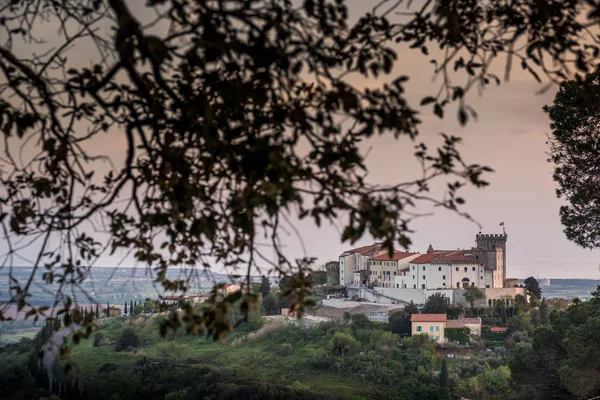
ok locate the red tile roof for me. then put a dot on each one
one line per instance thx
(398, 255)
(366, 250)
(428, 318)
(498, 329)
(444, 256)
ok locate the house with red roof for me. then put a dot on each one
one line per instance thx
(433, 325)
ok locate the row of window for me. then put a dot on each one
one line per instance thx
(440, 268)
(431, 328)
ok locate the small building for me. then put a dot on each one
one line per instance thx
(473, 324)
(511, 283)
(361, 278)
(429, 324)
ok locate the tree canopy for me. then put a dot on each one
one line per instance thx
(234, 118)
(437, 303)
(575, 153)
(533, 287)
(472, 294)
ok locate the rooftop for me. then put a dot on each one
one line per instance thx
(365, 250)
(428, 318)
(398, 255)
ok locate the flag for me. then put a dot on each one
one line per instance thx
(501, 223)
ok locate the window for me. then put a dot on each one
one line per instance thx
(456, 269)
(423, 286)
(437, 328)
(419, 329)
(482, 278)
(431, 337)
(423, 268)
(443, 276)
(487, 286)
(465, 269)
(394, 272)
(405, 286)
(437, 338)
(458, 285)
(413, 277)
(439, 268)
(444, 284)
(414, 286)
(423, 277)
(431, 329)
(473, 268)
(413, 267)
(397, 285)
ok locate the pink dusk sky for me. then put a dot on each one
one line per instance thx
(509, 136)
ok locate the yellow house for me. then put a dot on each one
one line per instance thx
(429, 324)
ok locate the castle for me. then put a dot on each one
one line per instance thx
(483, 266)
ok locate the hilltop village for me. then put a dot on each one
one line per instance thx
(370, 273)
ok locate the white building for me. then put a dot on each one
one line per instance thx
(357, 260)
(384, 270)
(483, 266)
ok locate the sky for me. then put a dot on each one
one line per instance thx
(509, 136)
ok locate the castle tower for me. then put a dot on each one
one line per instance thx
(491, 251)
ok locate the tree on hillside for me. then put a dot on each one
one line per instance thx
(97, 311)
(575, 152)
(265, 286)
(437, 303)
(400, 322)
(443, 380)
(127, 340)
(533, 287)
(125, 309)
(472, 294)
(236, 118)
(411, 308)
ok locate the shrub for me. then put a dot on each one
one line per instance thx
(127, 340)
(177, 395)
(99, 340)
(170, 352)
(285, 349)
(342, 344)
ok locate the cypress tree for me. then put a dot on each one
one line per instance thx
(97, 312)
(107, 310)
(131, 307)
(125, 310)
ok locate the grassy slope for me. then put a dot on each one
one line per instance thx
(250, 362)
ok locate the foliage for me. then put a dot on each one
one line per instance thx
(170, 352)
(343, 344)
(99, 339)
(269, 305)
(562, 359)
(437, 303)
(575, 116)
(533, 287)
(400, 322)
(458, 335)
(127, 340)
(520, 302)
(124, 386)
(230, 113)
(411, 308)
(472, 294)
(265, 286)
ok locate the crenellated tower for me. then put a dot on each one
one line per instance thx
(491, 251)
